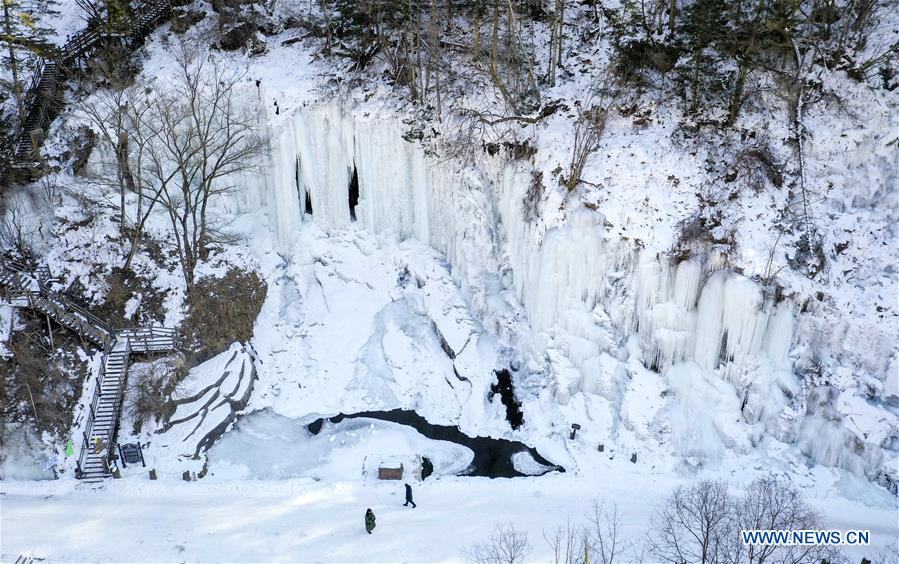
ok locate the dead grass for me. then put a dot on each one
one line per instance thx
(222, 311)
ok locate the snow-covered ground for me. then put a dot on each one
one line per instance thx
(693, 365)
(269, 446)
(349, 324)
(312, 521)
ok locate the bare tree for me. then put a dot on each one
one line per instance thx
(16, 234)
(604, 534)
(694, 525)
(198, 138)
(599, 540)
(107, 113)
(555, 42)
(568, 544)
(507, 545)
(773, 504)
(127, 122)
(588, 131)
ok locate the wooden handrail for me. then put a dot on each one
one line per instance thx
(80, 45)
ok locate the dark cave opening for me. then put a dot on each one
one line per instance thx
(506, 391)
(354, 193)
(302, 194)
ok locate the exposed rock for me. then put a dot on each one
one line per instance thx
(221, 388)
(182, 20)
(256, 45)
(237, 36)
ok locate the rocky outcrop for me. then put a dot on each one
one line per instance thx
(221, 388)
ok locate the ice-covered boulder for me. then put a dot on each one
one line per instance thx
(209, 399)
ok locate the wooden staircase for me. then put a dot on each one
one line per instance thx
(98, 440)
(98, 452)
(44, 97)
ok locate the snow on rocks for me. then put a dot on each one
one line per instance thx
(211, 396)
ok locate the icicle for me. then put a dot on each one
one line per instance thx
(743, 319)
(709, 322)
(686, 284)
(779, 335)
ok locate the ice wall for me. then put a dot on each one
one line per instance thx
(695, 320)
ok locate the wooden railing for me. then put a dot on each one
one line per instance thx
(107, 438)
(146, 15)
(91, 416)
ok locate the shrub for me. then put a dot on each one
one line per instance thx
(222, 311)
(148, 392)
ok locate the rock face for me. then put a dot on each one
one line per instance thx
(237, 36)
(81, 148)
(182, 19)
(218, 390)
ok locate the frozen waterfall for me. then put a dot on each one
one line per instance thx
(692, 319)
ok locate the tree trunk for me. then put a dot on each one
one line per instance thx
(672, 15)
(13, 63)
(736, 99)
(799, 134)
(694, 95)
(560, 6)
(126, 178)
(477, 31)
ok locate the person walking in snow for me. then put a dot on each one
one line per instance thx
(409, 497)
(369, 521)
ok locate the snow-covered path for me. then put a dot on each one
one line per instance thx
(303, 520)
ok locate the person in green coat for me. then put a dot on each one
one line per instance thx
(369, 521)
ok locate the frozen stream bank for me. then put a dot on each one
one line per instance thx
(493, 458)
(265, 445)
